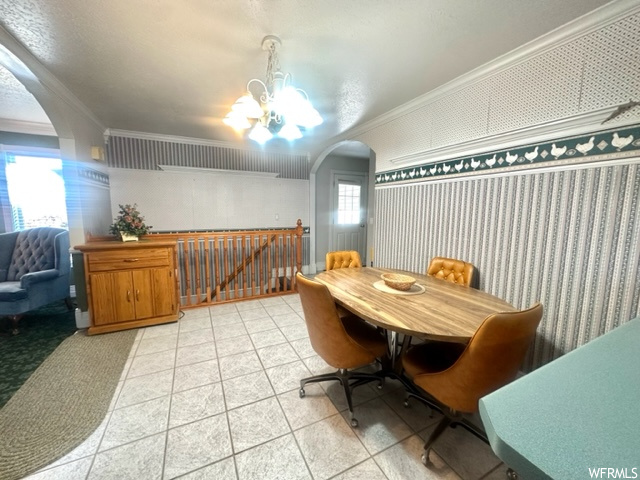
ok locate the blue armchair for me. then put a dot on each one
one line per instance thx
(34, 270)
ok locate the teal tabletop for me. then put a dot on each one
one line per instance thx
(576, 417)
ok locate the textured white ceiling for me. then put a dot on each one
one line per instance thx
(169, 67)
(16, 103)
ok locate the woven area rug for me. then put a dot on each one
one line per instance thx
(62, 403)
(41, 331)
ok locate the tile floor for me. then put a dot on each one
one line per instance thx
(215, 396)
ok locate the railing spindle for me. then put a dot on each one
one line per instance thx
(216, 258)
(207, 268)
(187, 272)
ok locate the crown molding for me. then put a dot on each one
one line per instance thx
(580, 27)
(113, 132)
(31, 128)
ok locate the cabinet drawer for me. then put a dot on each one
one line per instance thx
(128, 259)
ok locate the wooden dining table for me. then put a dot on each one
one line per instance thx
(443, 311)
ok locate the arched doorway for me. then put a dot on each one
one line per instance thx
(342, 201)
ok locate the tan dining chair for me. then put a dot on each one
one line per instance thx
(343, 259)
(453, 377)
(344, 343)
(452, 270)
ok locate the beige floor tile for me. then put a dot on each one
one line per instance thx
(139, 460)
(146, 387)
(196, 375)
(259, 325)
(287, 377)
(223, 332)
(402, 461)
(257, 423)
(231, 318)
(222, 470)
(295, 331)
(267, 338)
(379, 427)
(330, 447)
(271, 301)
(195, 313)
(367, 470)
(240, 364)
(239, 391)
(226, 308)
(76, 470)
(195, 353)
(275, 310)
(248, 305)
(465, 453)
(303, 347)
(196, 444)
(157, 344)
(195, 337)
(197, 323)
(159, 330)
(301, 412)
(254, 314)
(233, 346)
(151, 363)
(279, 458)
(288, 319)
(277, 355)
(135, 422)
(196, 404)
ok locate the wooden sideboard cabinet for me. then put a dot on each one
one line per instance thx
(130, 284)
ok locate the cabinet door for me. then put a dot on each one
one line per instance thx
(164, 287)
(111, 297)
(123, 296)
(143, 291)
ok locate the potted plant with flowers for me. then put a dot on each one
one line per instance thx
(129, 224)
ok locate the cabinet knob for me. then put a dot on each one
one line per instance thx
(128, 295)
(137, 295)
(131, 260)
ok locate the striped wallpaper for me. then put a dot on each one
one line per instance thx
(570, 239)
(146, 154)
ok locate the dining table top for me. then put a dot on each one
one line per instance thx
(443, 311)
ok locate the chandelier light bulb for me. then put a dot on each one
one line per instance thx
(260, 134)
(290, 132)
(236, 120)
(281, 108)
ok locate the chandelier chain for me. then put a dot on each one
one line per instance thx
(273, 65)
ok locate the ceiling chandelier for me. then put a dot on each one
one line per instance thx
(283, 110)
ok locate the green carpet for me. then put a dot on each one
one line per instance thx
(62, 403)
(41, 331)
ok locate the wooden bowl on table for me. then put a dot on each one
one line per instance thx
(398, 281)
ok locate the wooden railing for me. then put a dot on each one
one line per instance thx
(215, 267)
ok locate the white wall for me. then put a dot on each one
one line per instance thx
(208, 201)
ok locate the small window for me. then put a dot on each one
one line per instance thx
(348, 204)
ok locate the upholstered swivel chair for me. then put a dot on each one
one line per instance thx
(34, 270)
(455, 376)
(344, 343)
(343, 259)
(452, 270)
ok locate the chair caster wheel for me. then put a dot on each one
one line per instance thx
(406, 404)
(511, 474)
(301, 393)
(380, 385)
(425, 459)
(14, 331)
(354, 423)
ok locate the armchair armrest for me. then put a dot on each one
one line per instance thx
(36, 277)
